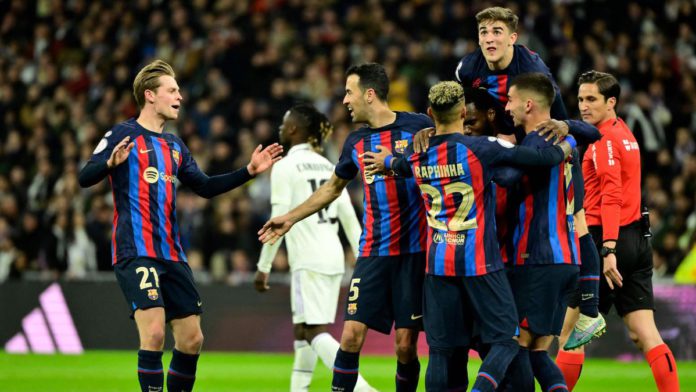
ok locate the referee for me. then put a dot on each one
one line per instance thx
(611, 168)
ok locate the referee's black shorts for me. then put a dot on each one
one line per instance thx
(634, 262)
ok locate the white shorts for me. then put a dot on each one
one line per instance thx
(314, 297)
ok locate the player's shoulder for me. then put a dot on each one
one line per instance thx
(533, 139)
(468, 65)
(123, 128)
(529, 60)
(413, 122)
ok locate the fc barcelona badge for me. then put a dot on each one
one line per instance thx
(400, 146)
(175, 155)
(352, 308)
(152, 294)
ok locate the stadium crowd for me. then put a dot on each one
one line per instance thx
(66, 69)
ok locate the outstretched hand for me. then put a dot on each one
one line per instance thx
(552, 127)
(274, 229)
(421, 140)
(375, 161)
(120, 152)
(262, 160)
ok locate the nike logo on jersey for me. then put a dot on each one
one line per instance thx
(199, 303)
(414, 317)
(585, 297)
(145, 151)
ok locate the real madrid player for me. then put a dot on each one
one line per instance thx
(315, 252)
(387, 284)
(143, 163)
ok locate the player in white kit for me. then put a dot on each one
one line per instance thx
(315, 253)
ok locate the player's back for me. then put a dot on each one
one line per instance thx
(455, 183)
(545, 232)
(313, 243)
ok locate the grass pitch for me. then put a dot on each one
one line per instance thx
(108, 371)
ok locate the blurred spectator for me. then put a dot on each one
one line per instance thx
(66, 74)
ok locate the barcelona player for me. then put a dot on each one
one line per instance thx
(143, 163)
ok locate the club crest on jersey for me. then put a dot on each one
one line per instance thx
(176, 156)
(352, 308)
(152, 294)
(400, 146)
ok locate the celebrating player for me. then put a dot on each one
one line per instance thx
(386, 287)
(142, 163)
(314, 248)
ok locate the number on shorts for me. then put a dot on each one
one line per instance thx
(354, 290)
(144, 284)
(458, 222)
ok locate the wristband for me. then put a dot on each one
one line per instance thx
(571, 140)
(388, 161)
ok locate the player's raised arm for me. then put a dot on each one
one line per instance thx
(278, 226)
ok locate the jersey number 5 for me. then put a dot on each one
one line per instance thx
(458, 221)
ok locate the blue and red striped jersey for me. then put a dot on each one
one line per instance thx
(473, 71)
(394, 219)
(545, 231)
(455, 177)
(144, 191)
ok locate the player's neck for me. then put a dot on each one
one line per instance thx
(504, 61)
(444, 129)
(533, 119)
(151, 121)
(381, 116)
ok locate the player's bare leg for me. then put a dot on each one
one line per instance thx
(644, 333)
(150, 323)
(188, 340)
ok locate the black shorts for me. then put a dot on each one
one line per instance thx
(634, 262)
(386, 290)
(149, 283)
(452, 306)
(540, 295)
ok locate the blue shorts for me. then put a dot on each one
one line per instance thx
(386, 291)
(455, 306)
(540, 294)
(150, 283)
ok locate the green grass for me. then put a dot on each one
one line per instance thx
(115, 371)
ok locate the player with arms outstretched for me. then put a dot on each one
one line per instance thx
(142, 163)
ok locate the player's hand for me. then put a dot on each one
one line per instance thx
(421, 140)
(552, 128)
(374, 161)
(262, 160)
(261, 282)
(274, 229)
(611, 273)
(120, 152)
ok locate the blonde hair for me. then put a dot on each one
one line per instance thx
(446, 99)
(495, 14)
(149, 79)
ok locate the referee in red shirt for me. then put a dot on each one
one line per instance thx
(611, 168)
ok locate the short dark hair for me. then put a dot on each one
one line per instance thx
(372, 75)
(538, 83)
(495, 14)
(315, 125)
(484, 101)
(606, 83)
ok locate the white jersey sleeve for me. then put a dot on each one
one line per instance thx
(349, 221)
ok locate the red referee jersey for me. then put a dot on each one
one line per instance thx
(611, 169)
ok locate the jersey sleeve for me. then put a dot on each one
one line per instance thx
(501, 152)
(102, 152)
(268, 251)
(608, 167)
(578, 183)
(583, 132)
(346, 168)
(349, 221)
(281, 185)
(464, 70)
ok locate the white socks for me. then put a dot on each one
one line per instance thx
(326, 347)
(303, 366)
